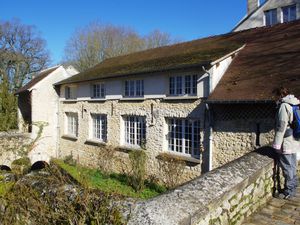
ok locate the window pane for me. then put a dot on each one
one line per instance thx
(178, 85)
(271, 17)
(99, 127)
(184, 136)
(172, 86)
(126, 88)
(289, 13)
(188, 84)
(135, 130)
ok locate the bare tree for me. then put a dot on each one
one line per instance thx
(158, 38)
(22, 53)
(90, 45)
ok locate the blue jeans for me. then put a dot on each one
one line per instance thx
(288, 164)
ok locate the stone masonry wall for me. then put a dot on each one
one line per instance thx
(155, 111)
(233, 139)
(10, 144)
(223, 196)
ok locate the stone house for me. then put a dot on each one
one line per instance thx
(243, 105)
(269, 13)
(156, 99)
(38, 102)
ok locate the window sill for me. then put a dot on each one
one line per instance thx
(183, 97)
(69, 100)
(69, 137)
(132, 99)
(95, 142)
(190, 161)
(128, 149)
(96, 100)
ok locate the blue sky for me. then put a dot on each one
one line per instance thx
(185, 19)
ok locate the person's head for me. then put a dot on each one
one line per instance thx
(282, 92)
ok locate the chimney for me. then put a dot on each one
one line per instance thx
(252, 6)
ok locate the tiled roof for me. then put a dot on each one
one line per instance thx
(37, 79)
(270, 59)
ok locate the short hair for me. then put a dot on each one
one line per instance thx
(282, 91)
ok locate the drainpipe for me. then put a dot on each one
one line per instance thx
(210, 122)
(57, 127)
(211, 138)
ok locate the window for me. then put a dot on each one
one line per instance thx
(70, 92)
(135, 130)
(271, 17)
(134, 88)
(98, 90)
(183, 85)
(72, 124)
(184, 136)
(99, 127)
(289, 13)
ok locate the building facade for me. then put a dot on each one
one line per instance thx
(161, 112)
(269, 13)
(38, 105)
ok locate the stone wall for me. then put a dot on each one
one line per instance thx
(223, 196)
(155, 111)
(233, 139)
(10, 145)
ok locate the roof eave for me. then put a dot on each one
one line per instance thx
(246, 101)
(200, 65)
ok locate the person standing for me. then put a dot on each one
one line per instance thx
(285, 144)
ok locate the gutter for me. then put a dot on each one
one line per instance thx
(226, 56)
(240, 101)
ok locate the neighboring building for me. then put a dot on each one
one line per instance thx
(269, 13)
(243, 105)
(38, 102)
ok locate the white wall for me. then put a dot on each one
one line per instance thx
(45, 109)
(156, 86)
(257, 18)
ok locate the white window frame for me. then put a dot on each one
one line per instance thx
(71, 124)
(184, 136)
(98, 91)
(98, 127)
(183, 85)
(134, 88)
(272, 20)
(134, 131)
(289, 8)
(70, 92)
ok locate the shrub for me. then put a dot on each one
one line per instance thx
(21, 166)
(105, 159)
(138, 159)
(171, 168)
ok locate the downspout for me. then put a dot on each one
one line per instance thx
(57, 127)
(210, 122)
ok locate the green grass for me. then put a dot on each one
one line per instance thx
(113, 184)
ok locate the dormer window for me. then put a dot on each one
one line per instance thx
(134, 88)
(70, 92)
(289, 13)
(271, 17)
(98, 90)
(183, 85)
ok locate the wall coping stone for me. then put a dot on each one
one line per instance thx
(192, 201)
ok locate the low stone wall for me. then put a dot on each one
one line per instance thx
(223, 196)
(10, 144)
